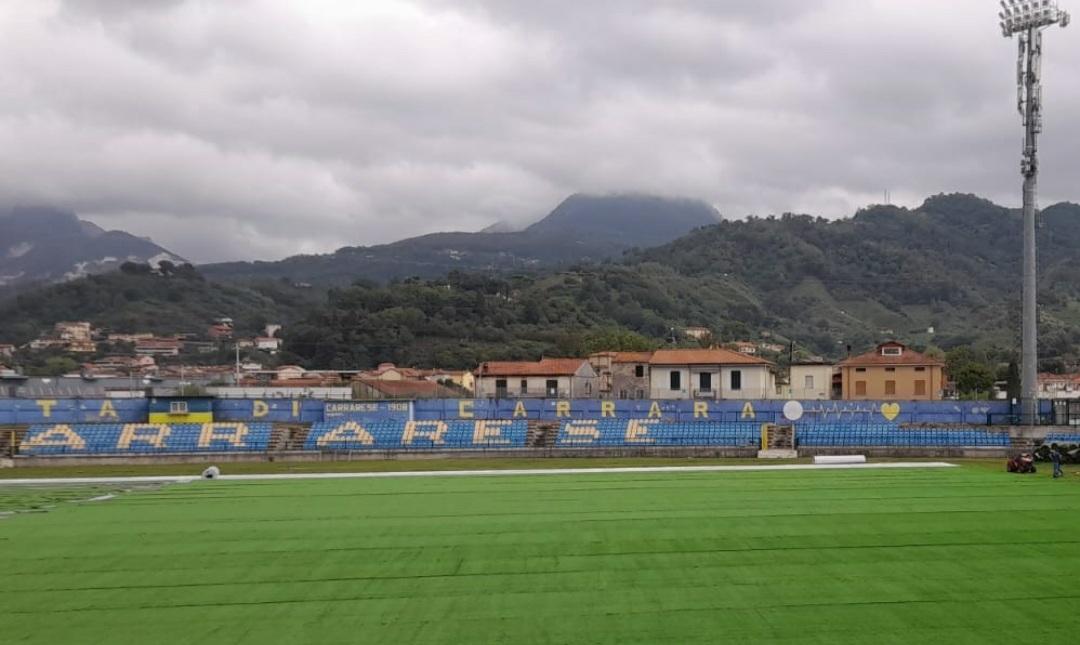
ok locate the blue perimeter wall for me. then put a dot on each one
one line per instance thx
(35, 411)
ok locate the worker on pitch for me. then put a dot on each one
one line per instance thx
(1055, 457)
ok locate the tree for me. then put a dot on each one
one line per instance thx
(973, 379)
(1012, 381)
(58, 366)
(971, 372)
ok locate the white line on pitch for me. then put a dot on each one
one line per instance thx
(481, 473)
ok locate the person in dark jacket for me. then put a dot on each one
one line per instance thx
(1055, 457)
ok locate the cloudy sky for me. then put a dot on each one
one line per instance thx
(264, 128)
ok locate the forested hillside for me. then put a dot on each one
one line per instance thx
(944, 275)
(137, 300)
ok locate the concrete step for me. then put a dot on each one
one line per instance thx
(778, 454)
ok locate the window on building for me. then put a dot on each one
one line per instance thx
(675, 380)
(500, 385)
(890, 369)
(736, 380)
(178, 407)
(639, 371)
(622, 394)
(891, 351)
(920, 369)
(808, 382)
(640, 394)
(588, 388)
(705, 382)
(860, 369)
(890, 388)
(524, 386)
(920, 388)
(860, 388)
(552, 387)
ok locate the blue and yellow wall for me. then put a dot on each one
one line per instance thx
(69, 411)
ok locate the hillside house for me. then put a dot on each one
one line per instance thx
(892, 372)
(810, 381)
(710, 374)
(622, 375)
(562, 378)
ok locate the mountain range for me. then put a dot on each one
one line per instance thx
(46, 245)
(944, 274)
(582, 228)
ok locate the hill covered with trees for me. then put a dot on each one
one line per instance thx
(945, 275)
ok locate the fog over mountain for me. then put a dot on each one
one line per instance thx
(45, 245)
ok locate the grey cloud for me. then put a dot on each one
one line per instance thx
(263, 128)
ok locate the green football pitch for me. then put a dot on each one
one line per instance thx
(962, 555)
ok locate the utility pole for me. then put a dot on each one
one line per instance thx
(1027, 19)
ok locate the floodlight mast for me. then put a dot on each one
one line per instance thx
(1027, 19)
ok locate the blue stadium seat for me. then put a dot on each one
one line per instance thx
(141, 438)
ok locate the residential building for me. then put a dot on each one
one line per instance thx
(76, 337)
(198, 346)
(745, 347)
(129, 338)
(563, 378)
(1059, 386)
(698, 333)
(158, 346)
(268, 344)
(810, 381)
(220, 331)
(81, 346)
(463, 379)
(711, 374)
(73, 331)
(622, 375)
(7, 350)
(391, 372)
(289, 373)
(122, 365)
(47, 343)
(892, 372)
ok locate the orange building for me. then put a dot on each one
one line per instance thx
(892, 372)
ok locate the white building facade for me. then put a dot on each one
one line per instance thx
(710, 374)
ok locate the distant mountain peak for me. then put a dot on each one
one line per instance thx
(500, 226)
(45, 244)
(581, 228)
(627, 216)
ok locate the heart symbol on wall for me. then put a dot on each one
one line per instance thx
(890, 410)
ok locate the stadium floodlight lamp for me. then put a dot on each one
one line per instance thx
(1018, 17)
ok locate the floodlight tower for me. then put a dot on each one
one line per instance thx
(1027, 19)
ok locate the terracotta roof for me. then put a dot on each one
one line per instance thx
(632, 357)
(405, 388)
(1046, 376)
(704, 357)
(545, 367)
(875, 358)
(299, 382)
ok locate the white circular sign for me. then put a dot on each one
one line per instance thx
(793, 410)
